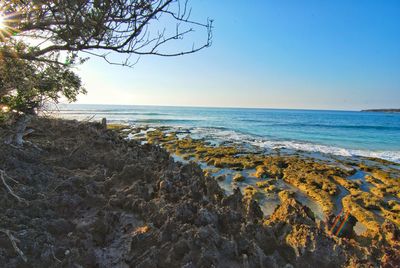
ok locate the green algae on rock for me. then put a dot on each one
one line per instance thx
(238, 177)
(319, 180)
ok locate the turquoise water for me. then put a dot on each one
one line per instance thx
(345, 133)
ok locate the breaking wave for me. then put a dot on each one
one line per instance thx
(222, 134)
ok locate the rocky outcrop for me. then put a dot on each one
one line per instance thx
(96, 200)
(306, 241)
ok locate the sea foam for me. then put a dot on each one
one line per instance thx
(222, 135)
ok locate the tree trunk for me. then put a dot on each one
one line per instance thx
(17, 137)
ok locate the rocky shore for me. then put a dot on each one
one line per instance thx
(80, 195)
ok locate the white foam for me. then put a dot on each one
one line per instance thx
(393, 156)
(130, 136)
(221, 134)
(233, 136)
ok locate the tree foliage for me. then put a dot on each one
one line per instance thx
(25, 86)
(131, 27)
(42, 42)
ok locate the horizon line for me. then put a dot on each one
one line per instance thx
(224, 107)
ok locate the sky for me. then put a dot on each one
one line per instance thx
(342, 55)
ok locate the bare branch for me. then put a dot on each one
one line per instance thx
(120, 26)
(3, 177)
(14, 241)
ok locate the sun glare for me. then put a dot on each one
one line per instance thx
(2, 26)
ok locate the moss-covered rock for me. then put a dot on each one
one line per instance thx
(319, 180)
(271, 189)
(238, 177)
(263, 184)
(261, 172)
(252, 193)
(285, 194)
(313, 179)
(117, 126)
(369, 219)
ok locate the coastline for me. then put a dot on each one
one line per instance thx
(339, 133)
(96, 198)
(382, 110)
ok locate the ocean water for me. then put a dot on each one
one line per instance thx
(343, 133)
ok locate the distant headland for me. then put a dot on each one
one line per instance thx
(382, 110)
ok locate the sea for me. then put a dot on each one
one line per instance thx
(336, 133)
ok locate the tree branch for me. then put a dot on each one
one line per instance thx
(114, 25)
(3, 177)
(14, 241)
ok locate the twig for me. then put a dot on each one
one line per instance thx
(75, 149)
(54, 255)
(33, 145)
(14, 244)
(3, 176)
(14, 146)
(61, 183)
(86, 120)
(14, 181)
(29, 131)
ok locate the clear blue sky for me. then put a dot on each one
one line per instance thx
(277, 54)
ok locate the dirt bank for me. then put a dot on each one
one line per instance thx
(91, 199)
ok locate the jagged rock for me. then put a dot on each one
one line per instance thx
(234, 201)
(205, 217)
(252, 210)
(113, 203)
(221, 177)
